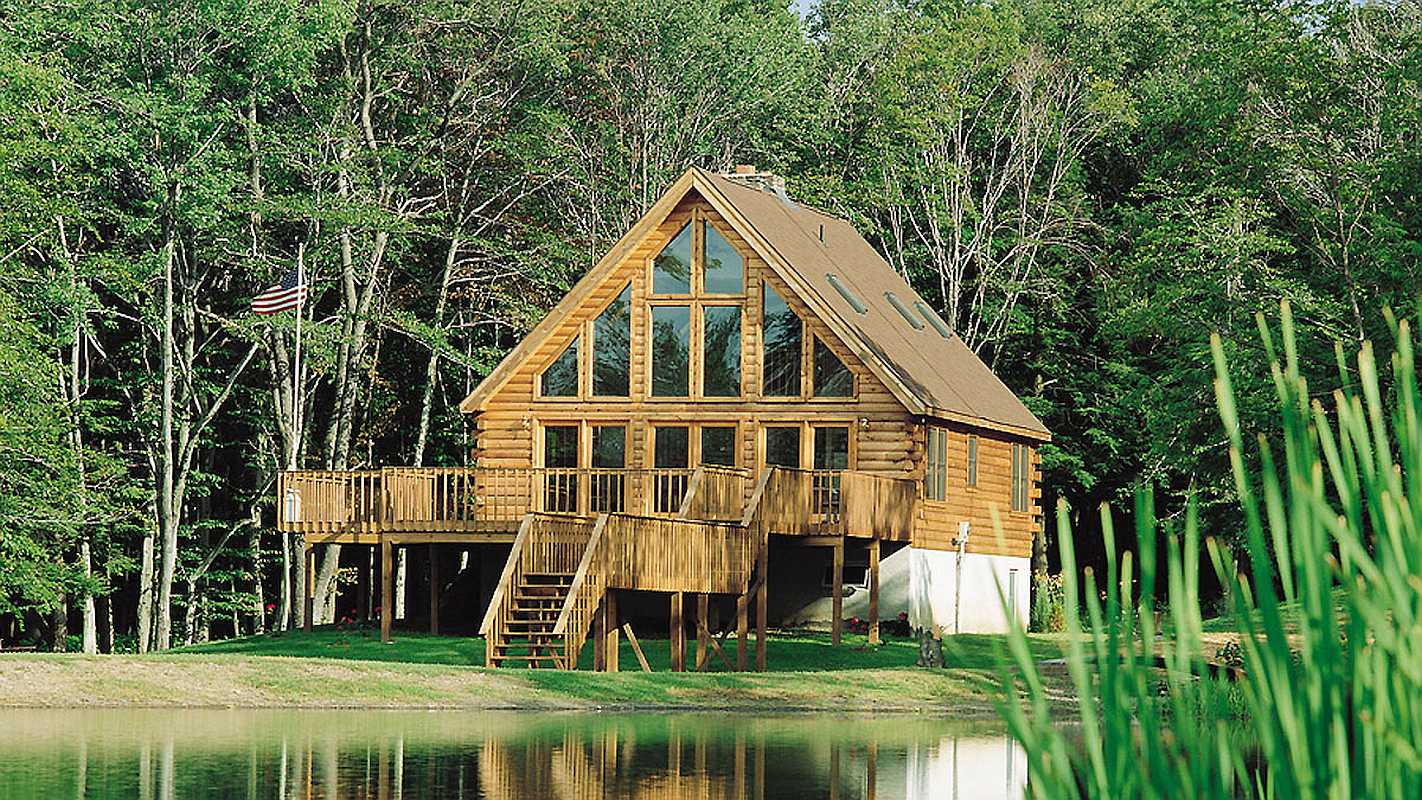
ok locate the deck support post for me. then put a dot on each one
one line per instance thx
(363, 585)
(678, 632)
(742, 629)
(600, 635)
(308, 603)
(387, 589)
(703, 628)
(434, 588)
(609, 609)
(762, 591)
(837, 589)
(874, 591)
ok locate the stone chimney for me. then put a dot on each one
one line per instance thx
(748, 175)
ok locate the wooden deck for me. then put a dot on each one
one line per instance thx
(581, 535)
(455, 504)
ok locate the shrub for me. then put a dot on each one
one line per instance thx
(1048, 603)
(1327, 598)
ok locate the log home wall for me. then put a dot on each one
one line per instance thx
(884, 437)
(937, 526)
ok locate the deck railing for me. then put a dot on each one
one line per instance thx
(838, 502)
(475, 498)
(483, 498)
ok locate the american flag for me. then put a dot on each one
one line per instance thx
(284, 296)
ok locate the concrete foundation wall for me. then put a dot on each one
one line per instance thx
(921, 583)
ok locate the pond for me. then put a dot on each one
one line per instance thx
(385, 755)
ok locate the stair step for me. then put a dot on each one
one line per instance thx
(561, 576)
(530, 636)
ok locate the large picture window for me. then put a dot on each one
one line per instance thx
(560, 379)
(671, 351)
(721, 351)
(783, 335)
(612, 334)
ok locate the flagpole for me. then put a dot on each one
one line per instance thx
(296, 362)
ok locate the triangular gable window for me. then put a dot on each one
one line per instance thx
(671, 270)
(724, 265)
(832, 377)
(561, 377)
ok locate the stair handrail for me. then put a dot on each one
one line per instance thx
(511, 569)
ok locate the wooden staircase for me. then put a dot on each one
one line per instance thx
(538, 599)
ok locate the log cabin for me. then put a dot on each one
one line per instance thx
(742, 405)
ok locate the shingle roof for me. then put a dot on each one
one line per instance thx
(942, 373)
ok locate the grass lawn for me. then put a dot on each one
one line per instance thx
(333, 667)
(789, 652)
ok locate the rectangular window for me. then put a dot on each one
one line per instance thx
(935, 480)
(670, 452)
(831, 456)
(607, 494)
(1021, 481)
(782, 446)
(560, 461)
(721, 351)
(783, 335)
(718, 445)
(972, 460)
(671, 350)
(612, 332)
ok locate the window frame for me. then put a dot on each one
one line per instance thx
(935, 464)
(1021, 478)
(590, 336)
(577, 341)
(971, 479)
(697, 300)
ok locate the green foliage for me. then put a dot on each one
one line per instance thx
(1326, 599)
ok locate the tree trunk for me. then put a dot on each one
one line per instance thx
(167, 523)
(60, 619)
(145, 595)
(259, 608)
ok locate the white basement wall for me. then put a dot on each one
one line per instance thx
(923, 584)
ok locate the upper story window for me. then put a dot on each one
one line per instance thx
(612, 335)
(560, 379)
(698, 284)
(721, 351)
(783, 335)
(935, 477)
(832, 377)
(723, 270)
(1021, 480)
(671, 351)
(671, 269)
(972, 459)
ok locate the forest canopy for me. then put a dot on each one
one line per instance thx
(1083, 189)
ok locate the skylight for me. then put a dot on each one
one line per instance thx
(849, 297)
(933, 320)
(904, 311)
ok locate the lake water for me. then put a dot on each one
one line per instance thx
(385, 755)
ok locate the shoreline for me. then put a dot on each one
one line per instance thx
(219, 682)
